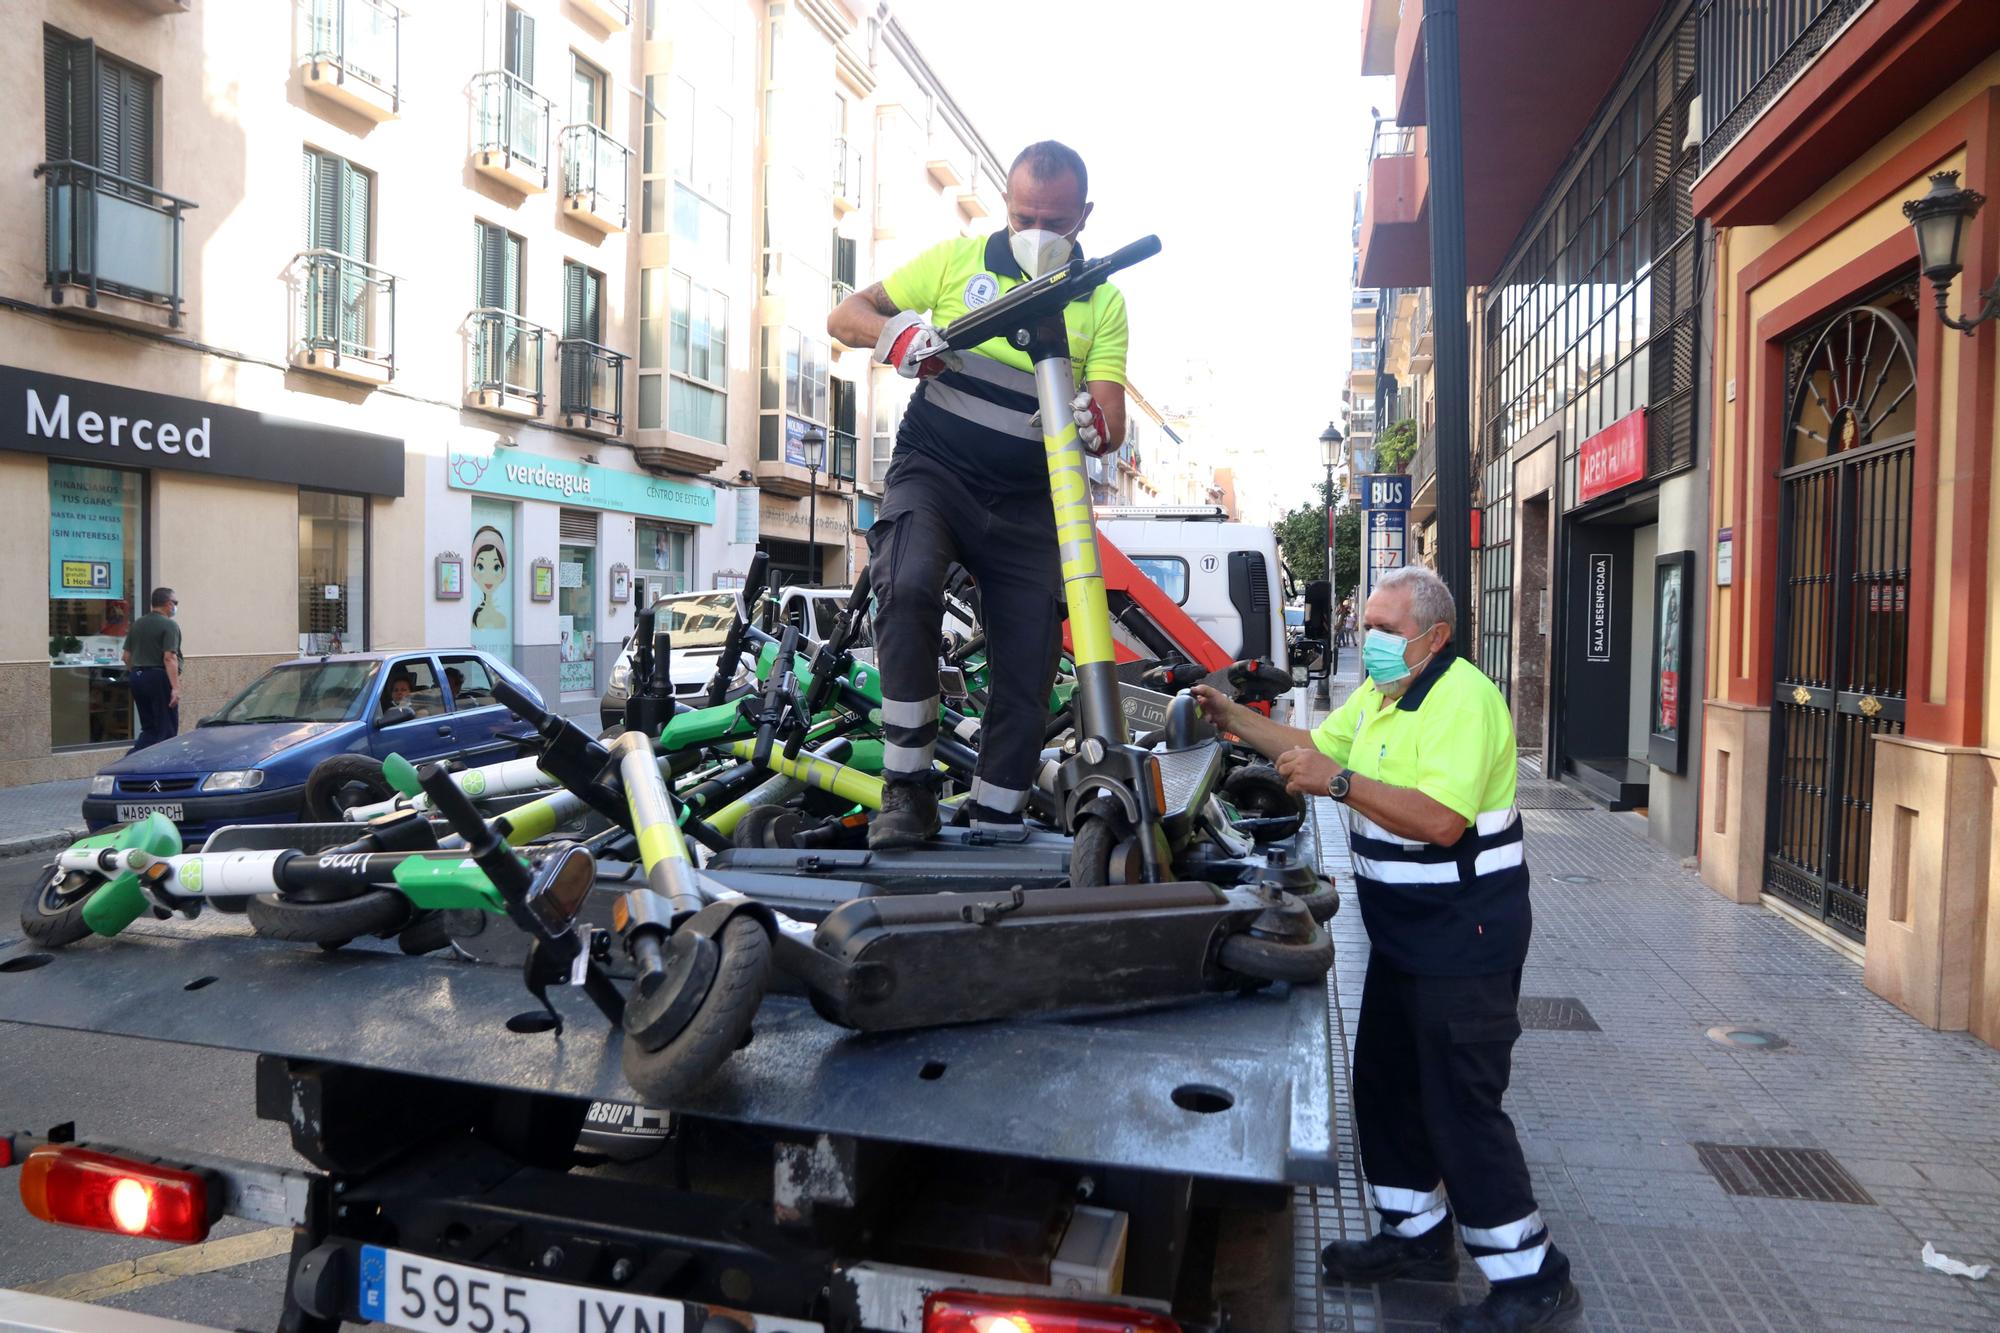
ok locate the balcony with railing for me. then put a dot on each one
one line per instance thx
(1394, 213)
(108, 235)
(344, 317)
(593, 386)
(596, 178)
(1421, 347)
(505, 356)
(1749, 51)
(846, 176)
(510, 139)
(841, 451)
(611, 15)
(350, 52)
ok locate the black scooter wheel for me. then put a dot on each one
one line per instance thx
(427, 933)
(1090, 853)
(1270, 960)
(1258, 791)
(52, 913)
(377, 912)
(1323, 902)
(341, 781)
(751, 828)
(719, 1027)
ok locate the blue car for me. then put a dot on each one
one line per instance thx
(249, 762)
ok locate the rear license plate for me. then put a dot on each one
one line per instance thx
(425, 1295)
(171, 809)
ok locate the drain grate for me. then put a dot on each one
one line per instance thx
(1556, 1013)
(1549, 796)
(1807, 1174)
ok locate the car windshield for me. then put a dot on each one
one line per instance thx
(305, 692)
(698, 622)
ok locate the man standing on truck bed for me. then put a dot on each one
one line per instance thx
(970, 483)
(1421, 757)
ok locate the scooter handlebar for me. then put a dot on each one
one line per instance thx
(492, 854)
(1046, 294)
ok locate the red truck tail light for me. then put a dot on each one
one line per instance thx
(77, 1187)
(974, 1312)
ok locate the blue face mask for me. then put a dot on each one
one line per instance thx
(1382, 657)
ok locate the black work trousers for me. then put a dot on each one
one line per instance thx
(930, 517)
(1432, 1059)
(159, 719)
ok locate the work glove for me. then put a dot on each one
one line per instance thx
(1091, 430)
(914, 348)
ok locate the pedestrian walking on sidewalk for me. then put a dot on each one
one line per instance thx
(153, 652)
(1421, 759)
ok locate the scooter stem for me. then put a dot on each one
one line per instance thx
(1098, 710)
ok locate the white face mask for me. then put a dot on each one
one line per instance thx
(1039, 252)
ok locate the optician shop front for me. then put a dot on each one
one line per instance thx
(261, 524)
(543, 561)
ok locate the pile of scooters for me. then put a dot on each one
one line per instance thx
(706, 854)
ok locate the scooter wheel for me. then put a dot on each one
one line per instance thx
(427, 933)
(1090, 853)
(52, 913)
(1270, 960)
(340, 781)
(719, 1027)
(750, 829)
(1258, 791)
(377, 912)
(1323, 902)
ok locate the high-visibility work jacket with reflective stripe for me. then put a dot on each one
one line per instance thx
(1430, 909)
(975, 419)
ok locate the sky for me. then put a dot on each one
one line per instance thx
(1238, 140)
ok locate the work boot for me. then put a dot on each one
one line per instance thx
(994, 825)
(1515, 1308)
(909, 817)
(1431, 1257)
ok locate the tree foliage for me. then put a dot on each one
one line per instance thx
(1302, 541)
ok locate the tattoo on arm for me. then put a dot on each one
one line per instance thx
(878, 296)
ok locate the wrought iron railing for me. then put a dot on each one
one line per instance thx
(1392, 140)
(841, 290)
(507, 354)
(596, 165)
(840, 455)
(359, 38)
(347, 308)
(593, 382)
(1749, 51)
(109, 233)
(1425, 465)
(846, 169)
(513, 120)
(1367, 298)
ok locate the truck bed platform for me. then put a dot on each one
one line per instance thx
(1234, 1087)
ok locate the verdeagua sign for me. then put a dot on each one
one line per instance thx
(516, 473)
(87, 422)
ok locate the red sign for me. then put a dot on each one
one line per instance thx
(1614, 457)
(1670, 701)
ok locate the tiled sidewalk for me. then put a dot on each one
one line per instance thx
(1609, 1118)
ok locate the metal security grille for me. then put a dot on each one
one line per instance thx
(1810, 1175)
(578, 527)
(1842, 658)
(1555, 1013)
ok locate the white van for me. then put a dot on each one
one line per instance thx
(1224, 575)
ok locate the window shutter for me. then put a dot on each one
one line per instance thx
(578, 527)
(521, 45)
(125, 121)
(573, 299)
(80, 90)
(510, 272)
(355, 188)
(486, 270)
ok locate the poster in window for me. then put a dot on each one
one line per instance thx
(86, 532)
(1673, 585)
(450, 569)
(543, 580)
(621, 583)
(490, 571)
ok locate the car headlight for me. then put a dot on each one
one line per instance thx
(621, 676)
(233, 779)
(102, 784)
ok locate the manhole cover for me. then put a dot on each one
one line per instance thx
(1747, 1039)
(1555, 1013)
(1577, 879)
(1807, 1174)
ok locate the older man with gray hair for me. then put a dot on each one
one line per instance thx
(1421, 758)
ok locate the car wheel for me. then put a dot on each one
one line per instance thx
(339, 783)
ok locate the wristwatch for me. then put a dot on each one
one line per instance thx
(1338, 784)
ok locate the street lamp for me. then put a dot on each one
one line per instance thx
(1329, 449)
(1940, 219)
(814, 441)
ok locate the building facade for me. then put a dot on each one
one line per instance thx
(1851, 741)
(483, 323)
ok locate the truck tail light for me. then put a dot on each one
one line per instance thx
(973, 1312)
(77, 1187)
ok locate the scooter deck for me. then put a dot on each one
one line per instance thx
(1091, 1090)
(958, 861)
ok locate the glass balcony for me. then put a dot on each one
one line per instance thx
(109, 233)
(346, 316)
(506, 358)
(352, 52)
(846, 175)
(596, 177)
(511, 136)
(593, 385)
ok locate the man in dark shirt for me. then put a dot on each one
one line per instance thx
(153, 652)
